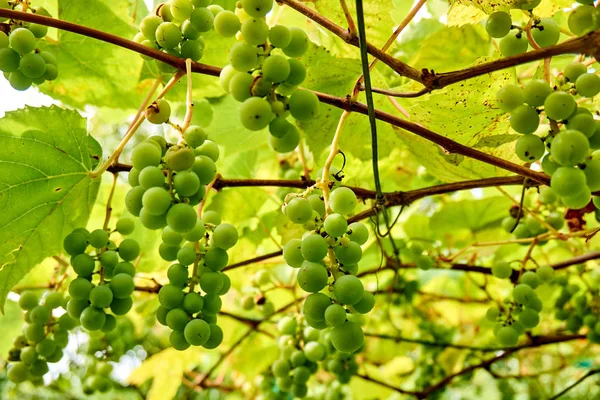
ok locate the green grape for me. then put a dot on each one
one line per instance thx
(501, 269)
(529, 318)
(196, 233)
(178, 341)
(226, 285)
(297, 73)
(152, 222)
(215, 9)
(208, 149)
(492, 314)
(98, 238)
(255, 31)
(125, 226)
(51, 73)
(122, 286)
(559, 105)
(536, 92)
(317, 203)
(358, 233)
(22, 40)
(178, 275)
(205, 168)
(286, 143)
(507, 336)
(335, 315)
(18, 372)
(29, 354)
(513, 44)
(121, 306)
(315, 306)
(498, 24)
(591, 169)
(215, 338)
(530, 278)
(181, 9)
(583, 123)
(211, 281)
(133, 177)
(523, 293)
(186, 256)
(349, 254)
(110, 323)
(524, 119)
(145, 154)
(156, 201)
(80, 289)
(257, 8)
(194, 136)
(528, 4)
(216, 259)
(529, 148)
(186, 183)
(225, 76)
(569, 148)
(32, 65)
(292, 253)
(76, 306)
(348, 337)
(298, 43)
(546, 32)
(168, 35)
(583, 20)
(313, 248)
(177, 319)
(83, 265)
(276, 68)
(255, 113)
(93, 318)
(298, 210)
(101, 296)
(170, 296)
(335, 225)
(280, 368)
(287, 325)
(301, 375)
(9, 60)
(35, 332)
(212, 304)
(280, 36)
(348, 289)
(280, 127)
(574, 71)
(211, 217)
(188, 30)
(303, 105)
(66, 322)
(227, 23)
(423, 262)
(548, 165)
(18, 81)
(3, 38)
(203, 20)
(197, 332)
(157, 113)
(193, 303)
(193, 49)
(555, 220)
(39, 31)
(314, 351)
(148, 26)
(587, 85)
(225, 236)
(28, 300)
(40, 314)
(312, 276)
(578, 200)
(342, 200)
(547, 195)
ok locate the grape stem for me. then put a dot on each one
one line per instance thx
(349, 20)
(109, 201)
(535, 46)
(333, 151)
(188, 97)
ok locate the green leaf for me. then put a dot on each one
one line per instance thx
(92, 71)
(470, 214)
(45, 189)
(489, 6)
(10, 326)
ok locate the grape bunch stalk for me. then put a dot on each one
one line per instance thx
(264, 73)
(23, 59)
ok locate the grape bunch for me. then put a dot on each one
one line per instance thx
(574, 174)
(98, 378)
(21, 59)
(264, 73)
(44, 337)
(260, 283)
(176, 29)
(330, 236)
(169, 179)
(547, 208)
(513, 38)
(192, 316)
(112, 265)
(521, 313)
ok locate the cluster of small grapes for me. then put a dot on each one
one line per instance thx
(98, 378)
(513, 38)
(330, 235)
(578, 309)
(529, 226)
(114, 344)
(574, 175)
(168, 180)
(521, 313)
(115, 274)
(191, 316)
(21, 60)
(258, 294)
(177, 28)
(263, 79)
(44, 337)
(414, 252)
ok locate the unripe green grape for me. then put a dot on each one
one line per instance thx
(574, 71)
(9, 60)
(215, 338)
(121, 306)
(180, 158)
(204, 168)
(170, 296)
(225, 236)
(527, 4)
(255, 113)
(569, 148)
(40, 315)
(529, 318)
(181, 9)
(545, 273)
(492, 314)
(292, 253)
(188, 31)
(212, 303)
(122, 286)
(423, 262)
(101, 296)
(215, 9)
(549, 166)
(280, 36)
(192, 49)
(227, 24)
(156, 201)
(216, 259)
(203, 20)
(348, 337)
(197, 332)
(98, 238)
(298, 210)
(335, 225)
(211, 217)
(513, 44)
(523, 293)
(157, 113)
(583, 20)
(342, 200)
(280, 368)
(279, 127)
(186, 256)
(314, 248)
(501, 269)
(177, 319)
(193, 303)
(301, 375)
(3, 38)
(186, 183)
(335, 315)
(152, 222)
(297, 73)
(168, 35)
(239, 86)
(286, 143)
(178, 341)
(577, 201)
(524, 119)
(312, 276)
(529, 148)
(315, 306)
(536, 92)
(546, 32)
(22, 40)
(276, 68)
(349, 254)
(547, 195)
(19, 81)
(303, 105)
(148, 26)
(498, 24)
(51, 73)
(145, 154)
(194, 136)
(93, 318)
(18, 372)
(80, 289)
(507, 336)
(181, 218)
(167, 68)
(348, 289)
(257, 8)
(591, 169)
(531, 279)
(28, 300)
(583, 123)
(32, 65)
(110, 323)
(287, 325)
(298, 43)
(255, 31)
(559, 105)
(587, 85)
(125, 226)
(359, 233)
(225, 76)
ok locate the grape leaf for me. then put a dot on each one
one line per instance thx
(470, 214)
(45, 189)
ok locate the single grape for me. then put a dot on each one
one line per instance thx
(312, 276)
(507, 336)
(574, 71)
(566, 181)
(559, 105)
(498, 24)
(583, 20)
(524, 119)
(203, 20)
(168, 35)
(335, 225)
(177, 319)
(93, 318)
(208, 149)
(32, 65)
(18, 372)
(152, 222)
(583, 123)
(315, 306)
(225, 236)
(157, 113)
(279, 36)
(186, 183)
(276, 68)
(591, 169)
(335, 315)
(297, 73)
(529, 148)
(342, 200)
(523, 294)
(28, 300)
(298, 43)
(348, 337)
(536, 92)
(193, 49)
(215, 338)
(145, 154)
(298, 210)
(255, 31)
(303, 105)
(545, 273)
(314, 247)
(257, 8)
(156, 201)
(227, 23)
(569, 148)
(194, 136)
(501, 269)
(197, 332)
(80, 289)
(148, 26)
(546, 32)
(178, 340)
(9, 60)
(348, 289)
(255, 113)
(181, 9)
(349, 254)
(577, 201)
(286, 143)
(205, 168)
(121, 306)
(122, 286)
(125, 226)
(587, 85)
(22, 40)
(19, 81)
(513, 44)
(101, 296)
